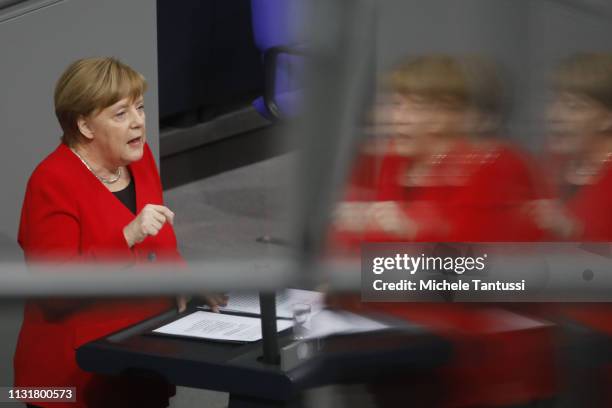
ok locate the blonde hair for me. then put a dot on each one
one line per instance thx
(588, 74)
(460, 81)
(92, 84)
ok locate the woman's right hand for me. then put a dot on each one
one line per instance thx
(388, 217)
(148, 222)
(351, 216)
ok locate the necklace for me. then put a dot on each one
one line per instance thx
(110, 180)
(581, 174)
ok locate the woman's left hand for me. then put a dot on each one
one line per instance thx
(212, 300)
(551, 216)
(181, 302)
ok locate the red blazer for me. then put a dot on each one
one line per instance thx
(68, 216)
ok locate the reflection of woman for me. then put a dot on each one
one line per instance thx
(441, 180)
(580, 121)
(580, 142)
(96, 197)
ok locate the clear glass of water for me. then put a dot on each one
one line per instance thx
(301, 315)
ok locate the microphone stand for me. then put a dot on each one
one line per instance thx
(267, 305)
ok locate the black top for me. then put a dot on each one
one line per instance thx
(128, 196)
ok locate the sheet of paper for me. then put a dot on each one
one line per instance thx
(216, 326)
(248, 302)
(328, 322)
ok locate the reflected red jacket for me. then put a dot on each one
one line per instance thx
(592, 206)
(506, 364)
(482, 198)
(68, 216)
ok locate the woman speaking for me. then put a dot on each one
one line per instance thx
(96, 197)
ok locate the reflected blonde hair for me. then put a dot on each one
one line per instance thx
(89, 85)
(461, 82)
(588, 74)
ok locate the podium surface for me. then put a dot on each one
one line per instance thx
(237, 368)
